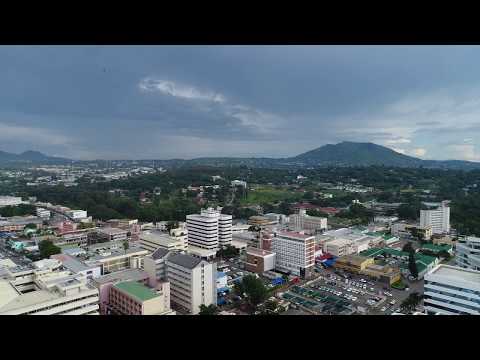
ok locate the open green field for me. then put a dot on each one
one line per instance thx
(268, 194)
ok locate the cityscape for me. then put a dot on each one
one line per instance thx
(366, 223)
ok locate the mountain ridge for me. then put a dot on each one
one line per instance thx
(345, 154)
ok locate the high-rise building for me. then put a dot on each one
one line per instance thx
(438, 218)
(468, 252)
(192, 282)
(295, 253)
(210, 229)
(451, 290)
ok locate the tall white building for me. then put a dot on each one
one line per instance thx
(468, 252)
(193, 282)
(302, 221)
(210, 229)
(295, 253)
(451, 290)
(438, 219)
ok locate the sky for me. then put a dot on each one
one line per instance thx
(163, 102)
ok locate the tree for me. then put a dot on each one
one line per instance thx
(30, 226)
(228, 251)
(126, 245)
(48, 248)
(412, 265)
(410, 303)
(208, 310)
(255, 290)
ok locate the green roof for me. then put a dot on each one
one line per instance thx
(136, 290)
(372, 252)
(437, 248)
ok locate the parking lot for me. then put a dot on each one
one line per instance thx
(367, 296)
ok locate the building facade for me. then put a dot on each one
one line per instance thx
(259, 261)
(295, 253)
(468, 252)
(438, 218)
(302, 221)
(451, 290)
(210, 229)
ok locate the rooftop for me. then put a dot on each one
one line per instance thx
(111, 231)
(136, 290)
(294, 235)
(258, 252)
(159, 253)
(457, 274)
(125, 275)
(187, 261)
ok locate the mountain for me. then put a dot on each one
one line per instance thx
(342, 154)
(352, 153)
(30, 157)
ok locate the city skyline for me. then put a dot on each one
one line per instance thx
(162, 102)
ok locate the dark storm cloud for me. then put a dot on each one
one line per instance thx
(168, 101)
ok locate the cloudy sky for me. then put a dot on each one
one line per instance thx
(190, 101)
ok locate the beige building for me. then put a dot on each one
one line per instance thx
(134, 298)
(353, 263)
(259, 261)
(153, 240)
(302, 221)
(112, 257)
(46, 291)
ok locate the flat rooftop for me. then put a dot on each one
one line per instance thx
(294, 235)
(125, 275)
(457, 274)
(258, 252)
(112, 231)
(136, 290)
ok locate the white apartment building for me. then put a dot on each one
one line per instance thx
(10, 201)
(342, 247)
(450, 290)
(438, 219)
(192, 282)
(153, 240)
(77, 214)
(302, 221)
(295, 253)
(210, 229)
(43, 213)
(48, 293)
(468, 252)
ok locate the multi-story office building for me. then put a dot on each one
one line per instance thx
(153, 240)
(43, 213)
(77, 214)
(48, 292)
(438, 218)
(295, 253)
(302, 221)
(134, 298)
(451, 290)
(259, 261)
(468, 252)
(111, 257)
(154, 265)
(112, 234)
(210, 229)
(104, 284)
(192, 282)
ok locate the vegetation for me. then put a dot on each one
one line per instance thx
(48, 248)
(253, 288)
(19, 210)
(228, 252)
(410, 303)
(208, 310)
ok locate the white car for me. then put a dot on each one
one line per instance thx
(383, 309)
